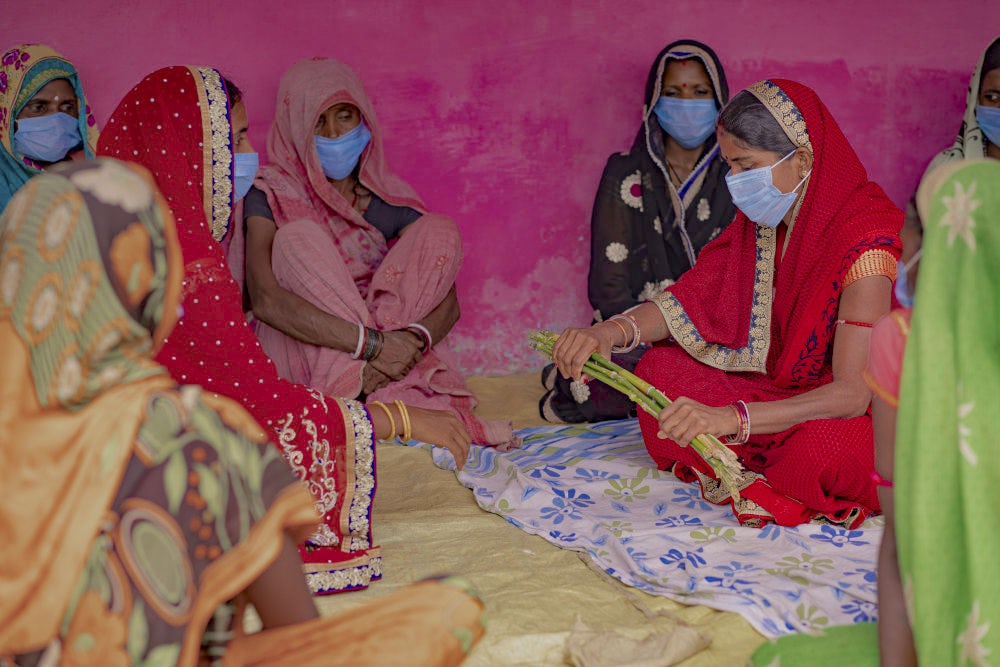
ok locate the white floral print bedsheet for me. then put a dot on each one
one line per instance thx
(593, 488)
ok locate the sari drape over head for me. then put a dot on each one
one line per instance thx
(946, 474)
(645, 231)
(326, 252)
(24, 70)
(176, 123)
(971, 142)
(98, 445)
(743, 330)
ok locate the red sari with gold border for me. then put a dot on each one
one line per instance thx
(176, 122)
(743, 329)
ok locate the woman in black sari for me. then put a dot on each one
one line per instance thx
(656, 207)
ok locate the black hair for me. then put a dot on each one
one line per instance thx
(991, 61)
(233, 92)
(912, 215)
(747, 119)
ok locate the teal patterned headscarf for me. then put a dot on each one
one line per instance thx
(24, 70)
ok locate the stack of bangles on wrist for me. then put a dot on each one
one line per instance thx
(404, 417)
(743, 414)
(369, 343)
(631, 342)
(424, 334)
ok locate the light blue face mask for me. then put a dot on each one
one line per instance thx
(244, 171)
(903, 290)
(753, 191)
(689, 122)
(47, 138)
(989, 122)
(339, 156)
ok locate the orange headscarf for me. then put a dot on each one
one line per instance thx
(90, 279)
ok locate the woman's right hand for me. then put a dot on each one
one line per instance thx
(442, 429)
(400, 353)
(574, 347)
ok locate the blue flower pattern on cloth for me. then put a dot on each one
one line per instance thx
(595, 490)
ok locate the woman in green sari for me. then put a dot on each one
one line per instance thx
(945, 470)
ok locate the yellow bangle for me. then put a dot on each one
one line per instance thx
(624, 332)
(388, 413)
(405, 417)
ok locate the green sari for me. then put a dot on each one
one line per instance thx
(946, 473)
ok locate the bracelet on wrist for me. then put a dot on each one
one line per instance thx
(388, 413)
(424, 334)
(627, 322)
(742, 434)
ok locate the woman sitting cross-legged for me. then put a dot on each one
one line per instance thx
(764, 341)
(656, 208)
(351, 280)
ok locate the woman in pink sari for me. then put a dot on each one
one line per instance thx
(351, 280)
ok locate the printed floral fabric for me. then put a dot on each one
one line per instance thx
(946, 477)
(595, 490)
(645, 231)
(150, 504)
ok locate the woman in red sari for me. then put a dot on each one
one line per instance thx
(177, 122)
(764, 341)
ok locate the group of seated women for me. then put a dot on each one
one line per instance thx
(740, 258)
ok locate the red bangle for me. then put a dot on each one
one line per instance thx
(743, 414)
(855, 324)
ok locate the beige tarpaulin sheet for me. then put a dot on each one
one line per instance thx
(428, 524)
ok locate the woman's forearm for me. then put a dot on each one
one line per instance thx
(440, 321)
(836, 400)
(296, 317)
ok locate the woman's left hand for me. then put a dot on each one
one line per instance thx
(685, 419)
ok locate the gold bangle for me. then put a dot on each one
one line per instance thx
(624, 331)
(404, 415)
(388, 413)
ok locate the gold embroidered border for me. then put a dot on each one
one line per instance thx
(217, 145)
(784, 111)
(325, 578)
(874, 262)
(751, 357)
(360, 475)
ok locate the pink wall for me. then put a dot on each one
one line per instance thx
(501, 114)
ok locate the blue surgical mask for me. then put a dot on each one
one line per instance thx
(989, 122)
(339, 156)
(689, 122)
(903, 290)
(753, 191)
(244, 171)
(47, 138)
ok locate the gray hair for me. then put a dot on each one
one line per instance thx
(747, 119)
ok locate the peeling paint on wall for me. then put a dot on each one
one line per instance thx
(502, 114)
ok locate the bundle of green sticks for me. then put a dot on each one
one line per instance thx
(719, 458)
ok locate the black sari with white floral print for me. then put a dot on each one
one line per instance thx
(645, 233)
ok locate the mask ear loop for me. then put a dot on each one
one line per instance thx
(913, 260)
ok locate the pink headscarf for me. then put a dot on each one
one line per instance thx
(294, 181)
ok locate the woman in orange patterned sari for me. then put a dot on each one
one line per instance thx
(133, 507)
